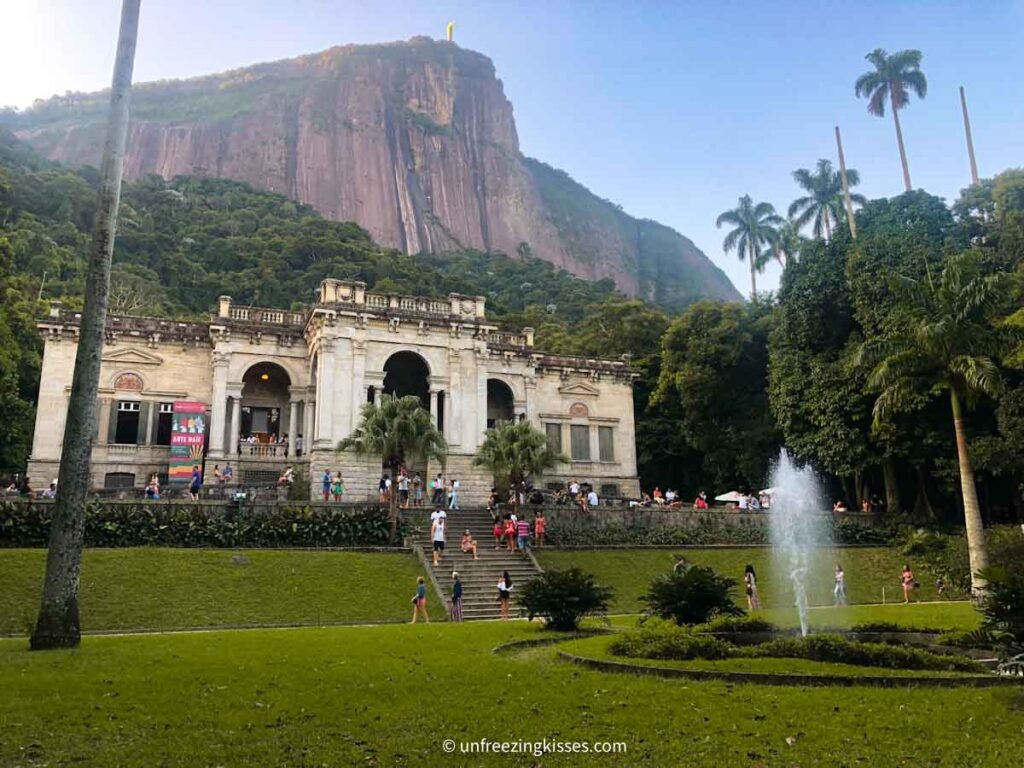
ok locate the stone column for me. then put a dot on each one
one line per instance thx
(595, 444)
(308, 411)
(433, 407)
(219, 404)
(293, 423)
(235, 393)
(149, 423)
(325, 395)
(358, 399)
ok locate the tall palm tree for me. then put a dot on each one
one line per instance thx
(947, 344)
(823, 205)
(787, 246)
(515, 450)
(892, 79)
(753, 227)
(397, 430)
(58, 624)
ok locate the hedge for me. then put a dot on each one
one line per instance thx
(134, 524)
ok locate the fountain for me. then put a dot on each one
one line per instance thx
(798, 526)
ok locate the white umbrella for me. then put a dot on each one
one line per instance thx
(769, 491)
(733, 496)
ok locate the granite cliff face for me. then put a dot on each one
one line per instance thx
(414, 141)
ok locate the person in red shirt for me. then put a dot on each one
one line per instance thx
(701, 502)
(539, 527)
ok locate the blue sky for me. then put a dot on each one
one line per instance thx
(672, 109)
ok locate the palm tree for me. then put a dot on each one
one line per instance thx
(753, 227)
(893, 78)
(516, 451)
(823, 204)
(948, 343)
(398, 429)
(787, 246)
(58, 624)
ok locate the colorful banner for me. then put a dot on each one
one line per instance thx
(188, 433)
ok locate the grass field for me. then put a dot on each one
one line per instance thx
(629, 572)
(155, 588)
(390, 695)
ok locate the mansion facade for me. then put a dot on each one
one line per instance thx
(282, 388)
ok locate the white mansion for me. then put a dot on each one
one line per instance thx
(284, 387)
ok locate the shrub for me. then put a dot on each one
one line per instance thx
(737, 624)
(135, 524)
(847, 532)
(975, 638)
(563, 598)
(692, 596)
(665, 640)
(1003, 606)
(839, 650)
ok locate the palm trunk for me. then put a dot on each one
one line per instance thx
(753, 273)
(393, 504)
(58, 624)
(892, 487)
(976, 550)
(899, 141)
(828, 227)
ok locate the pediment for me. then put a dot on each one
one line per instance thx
(131, 356)
(579, 389)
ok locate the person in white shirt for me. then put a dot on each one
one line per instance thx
(453, 501)
(744, 501)
(592, 498)
(437, 530)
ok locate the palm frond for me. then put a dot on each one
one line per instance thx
(980, 375)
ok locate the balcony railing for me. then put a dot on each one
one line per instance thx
(260, 316)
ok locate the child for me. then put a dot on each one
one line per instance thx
(419, 601)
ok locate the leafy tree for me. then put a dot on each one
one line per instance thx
(713, 369)
(564, 598)
(947, 343)
(893, 78)
(823, 204)
(753, 227)
(514, 451)
(397, 430)
(694, 595)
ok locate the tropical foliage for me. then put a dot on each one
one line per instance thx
(693, 595)
(823, 206)
(514, 451)
(753, 227)
(563, 598)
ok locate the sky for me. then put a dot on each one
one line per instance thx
(671, 109)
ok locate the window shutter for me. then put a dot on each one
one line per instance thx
(143, 438)
(112, 424)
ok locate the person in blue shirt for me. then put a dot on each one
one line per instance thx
(196, 484)
(325, 482)
(419, 601)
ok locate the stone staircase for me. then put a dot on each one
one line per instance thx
(479, 577)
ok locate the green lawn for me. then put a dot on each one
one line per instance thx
(390, 695)
(155, 588)
(630, 571)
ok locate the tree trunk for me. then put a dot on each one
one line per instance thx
(828, 227)
(58, 623)
(892, 487)
(922, 504)
(753, 273)
(899, 141)
(976, 549)
(393, 503)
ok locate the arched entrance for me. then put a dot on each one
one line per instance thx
(265, 404)
(499, 403)
(406, 373)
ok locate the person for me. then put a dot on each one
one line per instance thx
(523, 534)
(26, 489)
(437, 536)
(417, 490)
(196, 483)
(298, 445)
(456, 597)
(839, 506)
(574, 490)
(657, 496)
(468, 544)
(287, 476)
(152, 491)
(382, 488)
(592, 498)
(325, 485)
(750, 581)
(437, 485)
(755, 503)
(744, 502)
(682, 564)
(645, 500)
(218, 475)
(940, 586)
(539, 528)
(419, 601)
(504, 594)
(229, 474)
(907, 579)
(865, 506)
(403, 490)
(453, 501)
(337, 487)
(839, 592)
(510, 532)
(499, 531)
(701, 502)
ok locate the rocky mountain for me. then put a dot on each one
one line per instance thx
(414, 141)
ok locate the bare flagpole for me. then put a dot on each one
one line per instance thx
(970, 139)
(846, 186)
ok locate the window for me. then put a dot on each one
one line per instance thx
(163, 424)
(554, 433)
(126, 430)
(118, 480)
(580, 434)
(606, 443)
(609, 492)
